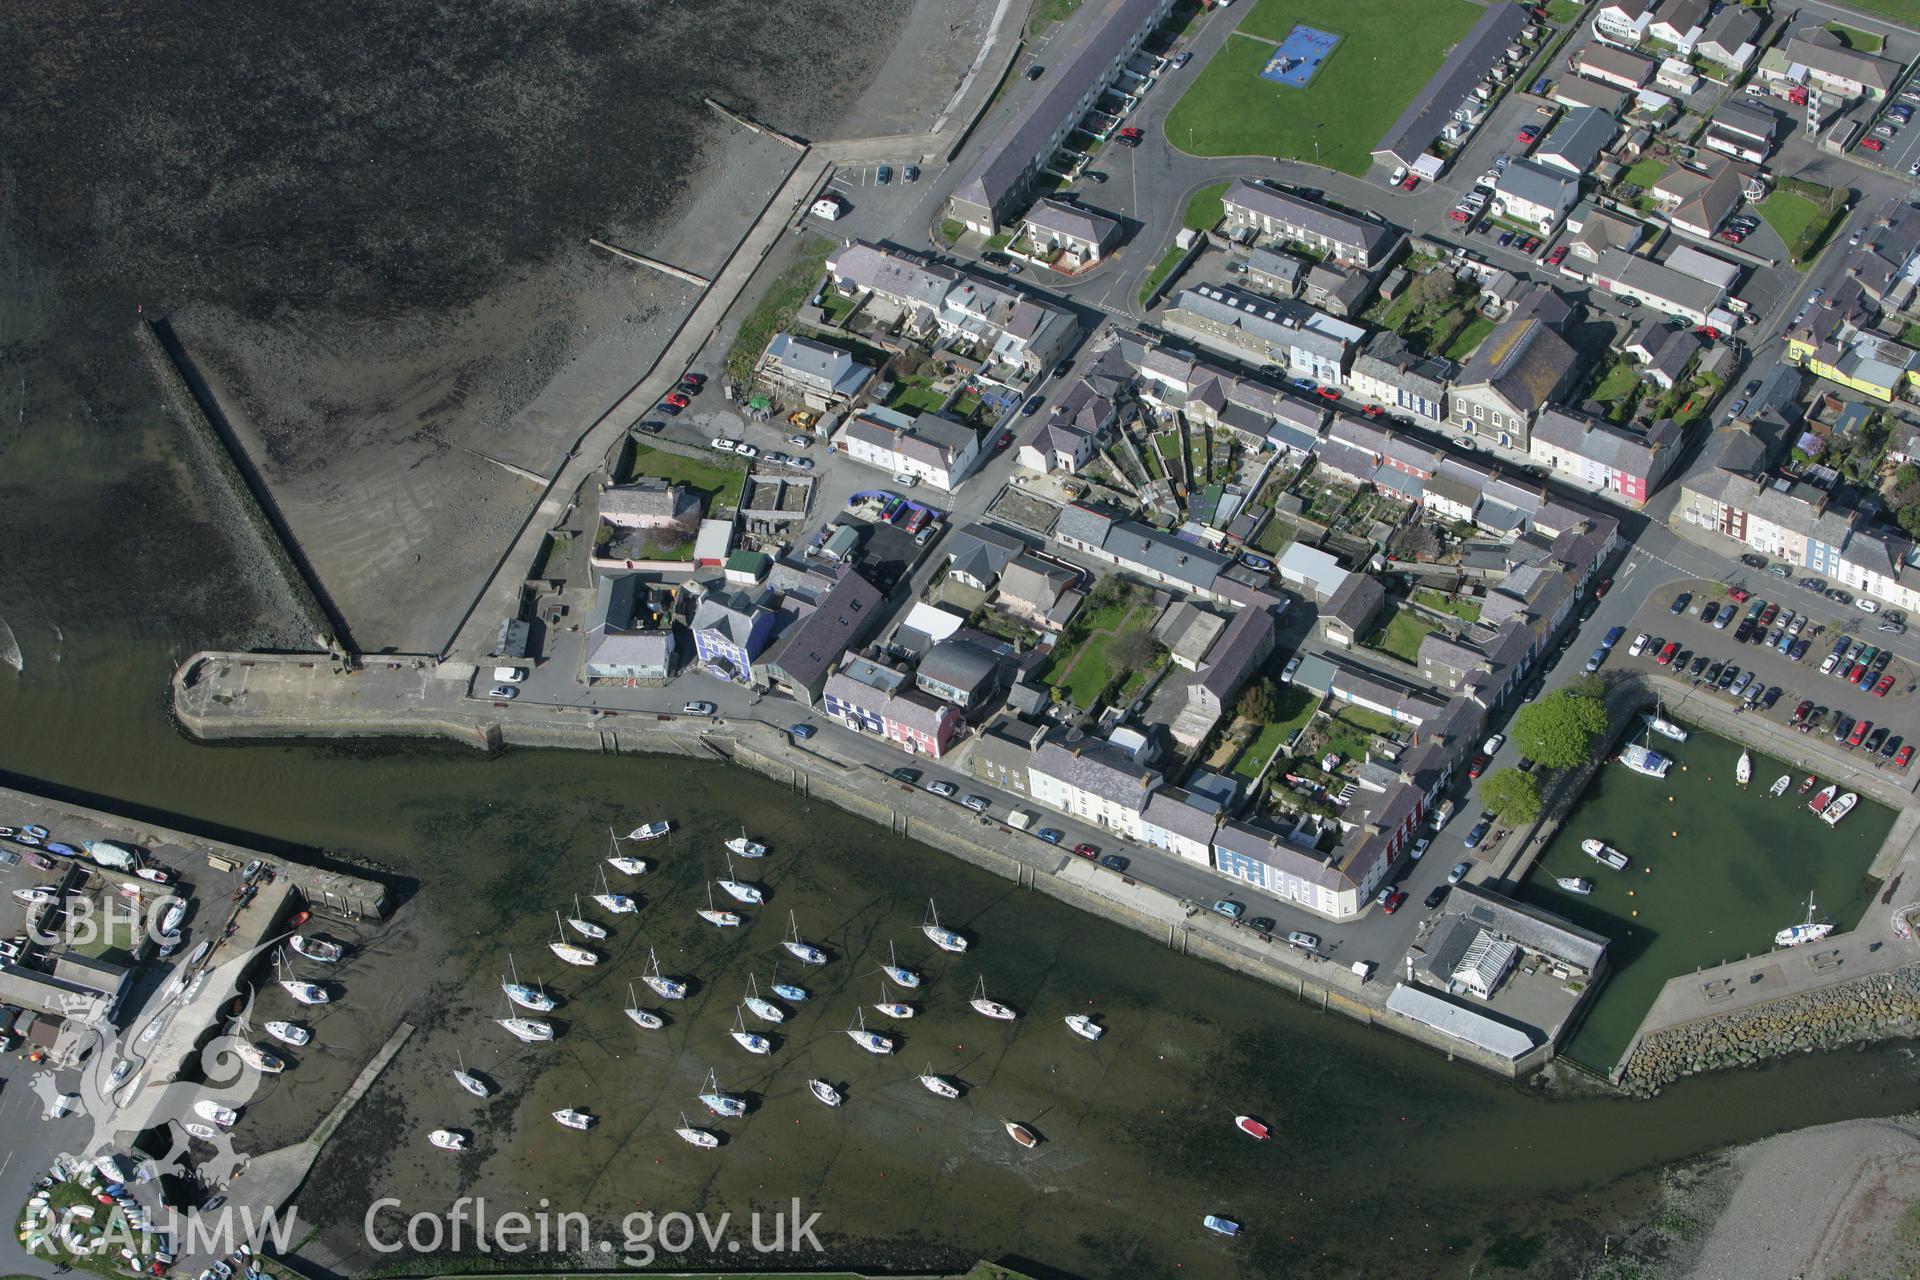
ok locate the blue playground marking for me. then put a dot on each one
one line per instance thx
(1299, 56)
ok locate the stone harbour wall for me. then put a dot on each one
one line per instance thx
(1873, 1008)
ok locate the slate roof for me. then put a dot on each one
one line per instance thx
(1523, 360)
(1233, 657)
(1821, 50)
(959, 664)
(1733, 26)
(1309, 215)
(981, 551)
(1097, 767)
(1477, 53)
(1388, 359)
(730, 614)
(1083, 523)
(1031, 580)
(1528, 925)
(1578, 139)
(648, 499)
(835, 624)
(1168, 809)
(1269, 849)
(818, 364)
(1073, 222)
(1628, 66)
(1537, 184)
(1357, 602)
(1755, 122)
(1605, 443)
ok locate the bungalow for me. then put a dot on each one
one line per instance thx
(1081, 235)
(1728, 38)
(1573, 93)
(1656, 284)
(1816, 57)
(823, 377)
(1680, 23)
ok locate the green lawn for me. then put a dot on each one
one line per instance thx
(1617, 382)
(1789, 214)
(1644, 173)
(718, 483)
(916, 395)
(1160, 272)
(1371, 721)
(1402, 635)
(951, 231)
(776, 308)
(1903, 11)
(1466, 610)
(1047, 12)
(1856, 39)
(1470, 336)
(1084, 670)
(1910, 334)
(1296, 707)
(1275, 536)
(1204, 211)
(1381, 62)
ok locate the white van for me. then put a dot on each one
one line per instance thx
(509, 675)
(1020, 819)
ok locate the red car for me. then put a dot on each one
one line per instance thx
(1801, 712)
(1530, 245)
(1708, 332)
(694, 381)
(1739, 595)
(1478, 767)
(1873, 144)
(1373, 411)
(1131, 137)
(1733, 237)
(1860, 730)
(1601, 587)
(1458, 215)
(1327, 393)
(1527, 135)
(1392, 904)
(1557, 257)
(1085, 851)
(1666, 655)
(1409, 182)
(678, 399)
(1903, 757)
(1005, 440)
(1854, 672)
(1883, 685)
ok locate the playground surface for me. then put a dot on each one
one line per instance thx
(1297, 59)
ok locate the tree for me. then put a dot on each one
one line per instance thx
(1135, 651)
(1258, 703)
(1560, 731)
(1513, 796)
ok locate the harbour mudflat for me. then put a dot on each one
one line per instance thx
(1716, 871)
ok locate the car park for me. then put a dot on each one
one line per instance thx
(1709, 611)
(1713, 673)
(1745, 633)
(1409, 182)
(1725, 619)
(1801, 712)
(667, 409)
(1613, 636)
(1890, 747)
(1771, 696)
(1842, 726)
(1799, 649)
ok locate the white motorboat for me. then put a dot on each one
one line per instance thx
(170, 922)
(898, 972)
(664, 987)
(825, 1092)
(204, 1132)
(1839, 809)
(748, 1040)
(764, 1009)
(641, 1018)
(577, 956)
(715, 916)
(651, 831)
(943, 938)
(1604, 854)
(259, 1059)
(448, 1139)
(871, 1041)
(617, 903)
(889, 1007)
(799, 948)
(472, 1083)
(1084, 1027)
(1743, 769)
(585, 927)
(306, 992)
(1645, 760)
(319, 949)
(1780, 785)
(719, 1102)
(289, 1033)
(696, 1137)
(1823, 798)
(990, 1008)
(938, 1084)
(1810, 931)
(745, 847)
(573, 1119)
(1574, 884)
(208, 1109)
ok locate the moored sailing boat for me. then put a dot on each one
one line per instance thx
(799, 948)
(664, 987)
(748, 1040)
(937, 1084)
(577, 956)
(943, 938)
(890, 1007)
(715, 916)
(587, 928)
(696, 1137)
(618, 903)
(871, 1041)
(641, 1017)
(721, 1104)
(1799, 934)
(764, 1009)
(990, 1008)
(621, 862)
(740, 890)
(898, 972)
(1743, 769)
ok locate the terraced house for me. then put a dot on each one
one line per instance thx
(1347, 238)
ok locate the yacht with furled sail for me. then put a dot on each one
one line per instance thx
(898, 972)
(472, 1083)
(990, 1008)
(696, 1137)
(763, 1008)
(579, 957)
(740, 890)
(752, 1042)
(871, 1041)
(890, 1007)
(526, 1030)
(523, 995)
(664, 987)
(715, 916)
(937, 1084)
(1658, 722)
(1743, 769)
(745, 847)
(586, 928)
(943, 938)
(799, 948)
(641, 1017)
(1810, 931)
(618, 903)
(622, 862)
(721, 1104)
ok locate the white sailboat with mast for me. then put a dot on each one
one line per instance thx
(990, 1008)
(523, 995)
(943, 938)
(692, 1136)
(1743, 769)
(746, 847)
(618, 903)
(898, 972)
(752, 1042)
(872, 1041)
(1810, 931)
(740, 890)
(526, 1030)
(938, 1084)
(641, 1017)
(578, 956)
(664, 987)
(889, 1006)
(715, 916)
(799, 948)
(587, 928)
(721, 1103)
(623, 863)
(472, 1083)
(764, 1009)
(651, 831)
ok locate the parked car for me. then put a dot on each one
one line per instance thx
(979, 804)
(1861, 728)
(1558, 256)
(883, 175)
(906, 775)
(1052, 835)
(802, 731)
(698, 709)
(1477, 833)
(1478, 767)
(1595, 659)
(1639, 644)
(1087, 851)
(1394, 902)
(1114, 862)
(1865, 605)
(1460, 869)
(942, 788)
(1437, 896)
(503, 693)
(1680, 603)
(910, 174)
(1903, 757)
(1229, 908)
(1419, 849)
(1181, 59)
(1666, 653)
(1304, 941)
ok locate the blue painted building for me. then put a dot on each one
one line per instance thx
(730, 630)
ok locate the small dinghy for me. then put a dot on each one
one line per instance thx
(1780, 785)
(825, 1092)
(1084, 1027)
(289, 1033)
(320, 949)
(204, 1132)
(573, 1119)
(1806, 784)
(448, 1139)
(1574, 884)
(1021, 1134)
(1822, 799)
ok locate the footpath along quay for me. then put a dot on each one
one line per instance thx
(222, 697)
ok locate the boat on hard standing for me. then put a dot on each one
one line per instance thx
(641, 1017)
(1084, 1027)
(990, 1008)
(664, 987)
(320, 949)
(1253, 1128)
(211, 1111)
(472, 1083)
(871, 1041)
(259, 1059)
(1574, 884)
(748, 1040)
(943, 938)
(1223, 1226)
(1604, 854)
(289, 1033)
(306, 992)
(745, 847)
(621, 862)
(1822, 798)
(204, 1132)
(1020, 1134)
(825, 1092)
(573, 1119)
(937, 1084)
(526, 1030)
(651, 831)
(799, 948)
(1811, 930)
(1780, 785)
(523, 995)
(1644, 760)
(1839, 809)
(764, 1009)
(720, 1103)
(1743, 769)
(715, 916)
(448, 1139)
(696, 1137)
(898, 972)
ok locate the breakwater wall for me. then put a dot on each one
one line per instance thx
(1876, 1007)
(217, 698)
(268, 556)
